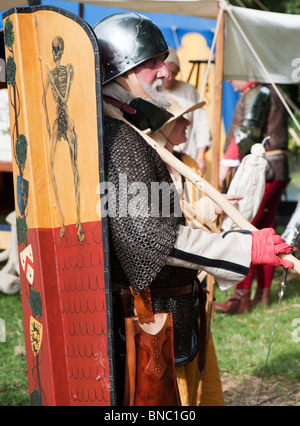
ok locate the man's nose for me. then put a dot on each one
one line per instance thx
(163, 72)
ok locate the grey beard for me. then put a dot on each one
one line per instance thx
(155, 92)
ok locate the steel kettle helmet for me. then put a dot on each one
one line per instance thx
(126, 40)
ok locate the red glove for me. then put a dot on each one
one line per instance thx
(266, 245)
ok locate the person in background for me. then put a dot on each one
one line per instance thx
(198, 136)
(259, 114)
(193, 391)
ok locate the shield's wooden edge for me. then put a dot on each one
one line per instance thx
(104, 220)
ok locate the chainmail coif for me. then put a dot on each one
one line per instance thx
(141, 245)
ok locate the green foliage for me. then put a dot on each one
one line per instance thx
(293, 154)
(282, 6)
(35, 302)
(9, 36)
(11, 69)
(36, 399)
(21, 151)
(22, 229)
(13, 368)
(290, 6)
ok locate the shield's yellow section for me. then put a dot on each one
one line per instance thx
(36, 335)
(35, 62)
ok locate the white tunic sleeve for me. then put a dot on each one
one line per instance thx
(227, 257)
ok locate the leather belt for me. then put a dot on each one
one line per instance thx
(163, 292)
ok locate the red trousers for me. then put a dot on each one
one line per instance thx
(265, 218)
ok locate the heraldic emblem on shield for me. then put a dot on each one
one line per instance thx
(53, 66)
(36, 334)
(26, 258)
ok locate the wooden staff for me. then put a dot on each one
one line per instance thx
(198, 181)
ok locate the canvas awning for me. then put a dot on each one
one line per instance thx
(274, 40)
(200, 8)
(7, 4)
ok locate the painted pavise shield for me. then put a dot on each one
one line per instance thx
(54, 83)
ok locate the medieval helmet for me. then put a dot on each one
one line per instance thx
(126, 40)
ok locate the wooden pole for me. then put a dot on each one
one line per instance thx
(81, 10)
(218, 102)
(216, 144)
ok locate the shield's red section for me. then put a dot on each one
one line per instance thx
(72, 367)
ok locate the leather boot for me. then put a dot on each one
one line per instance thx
(238, 303)
(262, 295)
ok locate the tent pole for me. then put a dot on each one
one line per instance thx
(81, 10)
(218, 102)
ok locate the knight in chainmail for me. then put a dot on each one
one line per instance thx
(150, 239)
(152, 248)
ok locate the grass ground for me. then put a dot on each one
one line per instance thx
(13, 370)
(242, 344)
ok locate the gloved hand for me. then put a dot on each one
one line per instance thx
(266, 245)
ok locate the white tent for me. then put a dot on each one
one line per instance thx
(255, 37)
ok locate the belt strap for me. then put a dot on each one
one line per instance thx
(202, 349)
(143, 305)
(173, 291)
(119, 104)
(163, 292)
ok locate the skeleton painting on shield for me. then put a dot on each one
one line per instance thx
(60, 80)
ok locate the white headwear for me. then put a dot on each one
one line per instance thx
(172, 57)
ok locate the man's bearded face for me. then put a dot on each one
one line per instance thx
(155, 92)
(150, 75)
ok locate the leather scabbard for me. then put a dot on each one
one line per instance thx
(150, 367)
